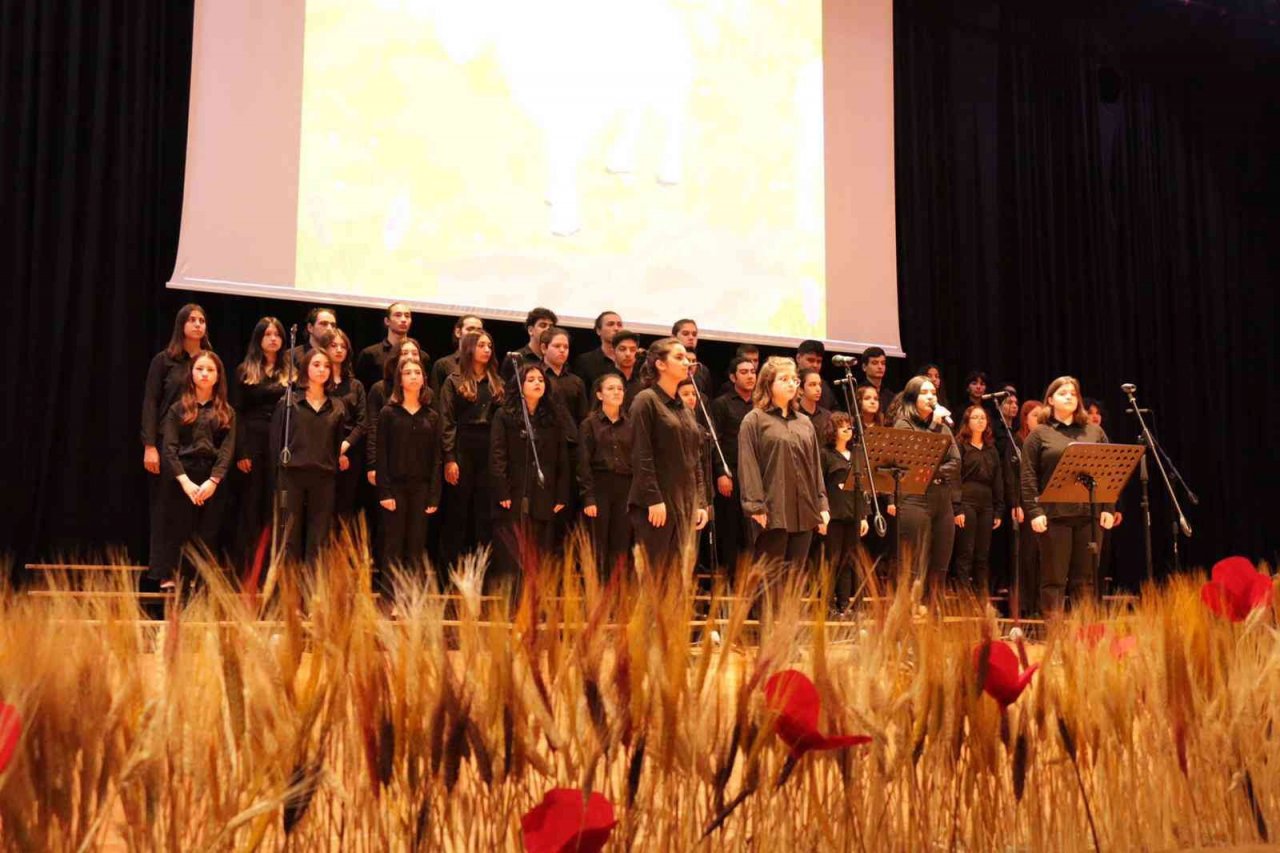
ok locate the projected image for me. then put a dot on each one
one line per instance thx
(660, 157)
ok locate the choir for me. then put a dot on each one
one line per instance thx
(628, 443)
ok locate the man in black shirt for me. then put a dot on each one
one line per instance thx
(686, 332)
(465, 325)
(751, 353)
(811, 354)
(727, 412)
(371, 360)
(535, 323)
(319, 322)
(597, 362)
(875, 364)
(626, 349)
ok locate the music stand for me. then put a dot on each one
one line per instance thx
(903, 462)
(1093, 474)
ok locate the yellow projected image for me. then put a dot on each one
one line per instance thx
(659, 157)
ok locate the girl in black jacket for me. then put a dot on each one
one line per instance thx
(527, 503)
(199, 438)
(408, 467)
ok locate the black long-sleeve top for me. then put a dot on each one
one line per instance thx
(591, 365)
(458, 411)
(820, 418)
(511, 471)
(514, 360)
(351, 393)
(664, 456)
(315, 435)
(630, 387)
(203, 439)
(166, 380)
(409, 450)
(603, 445)
(780, 470)
(1041, 453)
(847, 504)
(371, 361)
(947, 476)
(982, 477)
(254, 405)
(441, 369)
(373, 403)
(572, 393)
(727, 412)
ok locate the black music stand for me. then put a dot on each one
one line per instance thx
(1092, 473)
(903, 461)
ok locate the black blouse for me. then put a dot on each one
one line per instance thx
(458, 411)
(511, 471)
(846, 504)
(315, 436)
(409, 450)
(982, 477)
(203, 440)
(780, 470)
(727, 412)
(351, 393)
(166, 380)
(665, 456)
(254, 404)
(603, 445)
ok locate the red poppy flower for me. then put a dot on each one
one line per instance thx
(1094, 633)
(792, 695)
(1091, 634)
(1122, 647)
(10, 730)
(1001, 680)
(566, 820)
(1236, 589)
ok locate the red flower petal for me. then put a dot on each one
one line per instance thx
(566, 821)
(1003, 681)
(1236, 589)
(10, 731)
(792, 695)
(1122, 647)
(1091, 634)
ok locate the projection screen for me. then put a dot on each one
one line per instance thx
(726, 160)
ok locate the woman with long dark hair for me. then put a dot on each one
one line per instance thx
(351, 391)
(408, 464)
(929, 520)
(261, 380)
(199, 439)
(1064, 531)
(981, 499)
(780, 468)
(468, 399)
(379, 394)
(667, 502)
(604, 472)
(848, 522)
(868, 403)
(527, 505)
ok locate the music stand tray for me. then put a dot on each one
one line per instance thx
(903, 462)
(1106, 466)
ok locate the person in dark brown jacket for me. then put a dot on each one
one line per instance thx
(667, 503)
(1063, 531)
(780, 468)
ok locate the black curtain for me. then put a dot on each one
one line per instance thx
(1082, 188)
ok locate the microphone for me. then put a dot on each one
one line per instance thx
(995, 395)
(845, 382)
(1186, 528)
(844, 360)
(293, 330)
(946, 416)
(1128, 387)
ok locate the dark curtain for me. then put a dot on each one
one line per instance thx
(1082, 188)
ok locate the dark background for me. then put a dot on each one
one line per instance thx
(1083, 187)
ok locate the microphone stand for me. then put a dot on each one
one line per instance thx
(712, 552)
(1181, 523)
(846, 387)
(286, 454)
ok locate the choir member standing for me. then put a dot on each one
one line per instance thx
(751, 353)
(527, 503)
(315, 425)
(595, 363)
(626, 349)
(261, 380)
(982, 484)
(351, 391)
(848, 504)
(535, 323)
(809, 400)
(810, 355)
(666, 502)
(468, 399)
(727, 412)
(467, 324)
(373, 359)
(198, 443)
(409, 463)
(928, 520)
(379, 394)
(875, 366)
(1064, 530)
(1028, 569)
(319, 320)
(686, 332)
(604, 473)
(566, 386)
(780, 468)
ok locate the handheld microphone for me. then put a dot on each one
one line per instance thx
(995, 395)
(850, 382)
(293, 330)
(1128, 387)
(946, 416)
(844, 360)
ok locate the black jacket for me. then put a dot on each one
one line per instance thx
(727, 412)
(255, 404)
(459, 412)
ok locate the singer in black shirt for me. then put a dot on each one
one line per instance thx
(409, 465)
(373, 359)
(1064, 531)
(351, 391)
(261, 380)
(727, 412)
(982, 482)
(529, 490)
(377, 395)
(848, 504)
(605, 441)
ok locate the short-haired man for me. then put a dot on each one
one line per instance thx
(371, 360)
(467, 324)
(320, 320)
(686, 332)
(727, 412)
(811, 354)
(536, 322)
(626, 353)
(593, 364)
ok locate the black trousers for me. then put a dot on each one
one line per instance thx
(404, 531)
(308, 508)
(346, 484)
(180, 521)
(781, 545)
(1065, 559)
(255, 494)
(973, 547)
(928, 534)
(731, 531)
(611, 528)
(665, 546)
(841, 546)
(469, 510)
(1028, 577)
